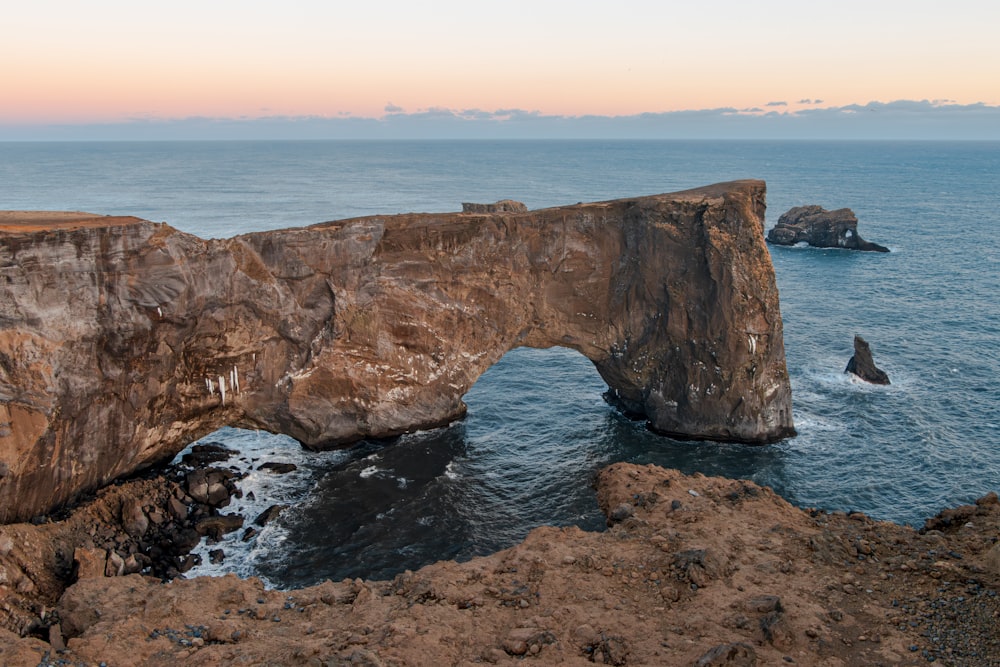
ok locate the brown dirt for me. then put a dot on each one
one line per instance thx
(694, 570)
(40, 221)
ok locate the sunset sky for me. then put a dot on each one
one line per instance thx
(104, 61)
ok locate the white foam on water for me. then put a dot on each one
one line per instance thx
(369, 471)
(260, 489)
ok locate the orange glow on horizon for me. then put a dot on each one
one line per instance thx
(111, 61)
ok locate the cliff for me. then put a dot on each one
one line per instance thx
(121, 340)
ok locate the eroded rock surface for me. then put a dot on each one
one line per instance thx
(818, 227)
(122, 340)
(704, 571)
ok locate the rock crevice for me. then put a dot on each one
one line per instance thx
(122, 340)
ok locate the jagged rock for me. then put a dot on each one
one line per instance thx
(862, 364)
(134, 519)
(210, 486)
(502, 206)
(217, 526)
(278, 467)
(123, 340)
(739, 654)
(90, 563)
(115, 565)
(269, 515)
(820, 228)
(212, 452)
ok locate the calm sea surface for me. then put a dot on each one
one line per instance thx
(537, 429)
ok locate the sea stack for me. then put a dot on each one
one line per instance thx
(818, 227)
(862, 364)
(123, 340)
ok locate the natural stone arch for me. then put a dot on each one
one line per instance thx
(118, 334)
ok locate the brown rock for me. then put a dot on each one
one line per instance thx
(217, 526)
(739, 654)
(56, 637)
(90, 563)
(373, 327)
(115, 565)
(134, 519)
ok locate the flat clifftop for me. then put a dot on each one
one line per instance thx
(692, 570)
(40, 221)
(123, 340)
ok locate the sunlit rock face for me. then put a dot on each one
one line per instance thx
(122, 340)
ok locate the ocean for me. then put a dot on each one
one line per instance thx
(537, 428)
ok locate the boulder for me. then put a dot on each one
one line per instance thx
(502, 206)
(862, 364)
(818, 227)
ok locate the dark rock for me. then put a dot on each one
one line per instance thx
(249, 534)
(204, 454)
(269, 514)
(216, 556)
(279, 468)
(862, 364)
(660, 292)
(612, 650)
(184, 540)
(820, 228)
(185, 563)
(620, 513)
(729, 655)
(502, 206)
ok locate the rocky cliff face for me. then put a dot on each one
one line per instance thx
(121, 340)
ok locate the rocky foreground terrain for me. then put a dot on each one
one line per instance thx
(692, 570)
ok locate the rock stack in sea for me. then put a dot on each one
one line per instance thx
(863, 365)
(818, 227)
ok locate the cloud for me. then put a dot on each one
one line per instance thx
(392, 108)
(776, 104)
(898, 119)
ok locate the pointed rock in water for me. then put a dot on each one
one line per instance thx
(862, 364)
(372, 327)
(820, 228)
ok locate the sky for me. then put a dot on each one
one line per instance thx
(109, 68)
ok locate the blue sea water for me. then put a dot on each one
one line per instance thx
(537, 429)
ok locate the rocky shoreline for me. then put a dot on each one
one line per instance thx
(692, 570)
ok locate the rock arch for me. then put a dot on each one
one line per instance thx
(117, 335)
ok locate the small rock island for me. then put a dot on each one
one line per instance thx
(863, 365)
(820, 228)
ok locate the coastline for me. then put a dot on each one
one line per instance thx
(689, 565)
